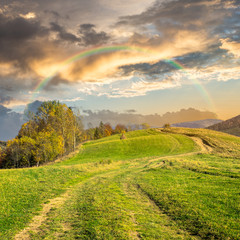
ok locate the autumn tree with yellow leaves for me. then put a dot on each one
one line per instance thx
(52, 131)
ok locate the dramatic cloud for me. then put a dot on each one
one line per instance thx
(5, 99)
(63, 34)
(38, 38)
(20, 47)
(28, 15)
(232, 47)
(89, 36)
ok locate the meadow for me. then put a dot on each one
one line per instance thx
(171, 183)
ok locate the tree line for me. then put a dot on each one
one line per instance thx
(54, 130)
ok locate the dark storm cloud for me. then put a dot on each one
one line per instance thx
(181, 13)
(5, 99)
(18, 40)
(57, 16)
(55, 82)
(63, 34)
(19, 29)
(160, 67)
(4, 110)
(213, 55)
(23, 42)
(90, 36)
(172, 17)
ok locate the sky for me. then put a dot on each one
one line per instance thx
(149, 56)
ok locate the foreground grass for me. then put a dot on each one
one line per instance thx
(110, 207)
(23, 190)
(144, 187)
(203, 199)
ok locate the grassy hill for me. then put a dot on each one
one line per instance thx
(231, 126)
(156, 184)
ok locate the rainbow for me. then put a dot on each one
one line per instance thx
(106, 49)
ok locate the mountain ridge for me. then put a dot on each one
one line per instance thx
(197, 124)
(231, 126)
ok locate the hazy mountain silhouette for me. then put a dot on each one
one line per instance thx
(198, 124)
(10, 123)
(154, 120)
(231, 126)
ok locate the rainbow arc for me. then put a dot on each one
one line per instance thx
(100, 50)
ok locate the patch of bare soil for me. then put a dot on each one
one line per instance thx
(204, 148)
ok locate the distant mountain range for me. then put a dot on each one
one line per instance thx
(198, 124)
(131, 117)
(10, 121)
(231, 126)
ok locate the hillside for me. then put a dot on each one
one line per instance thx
(198, 124)
(231, 126)
(174, 183)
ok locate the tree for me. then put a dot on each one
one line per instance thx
(120, 128)
(20, 152)
(145, 126)
(29, 129)
(167, 125)
(96, 133)
(52, 131)
(101, 129)
(49, 146)
(108, 131)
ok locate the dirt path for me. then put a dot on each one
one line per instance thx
(153, 163)
(57, 202)
(204, 148)
(39, 219)
(164, 227)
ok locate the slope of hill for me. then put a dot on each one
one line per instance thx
(171, 183)
(231, 126)
(197, 124)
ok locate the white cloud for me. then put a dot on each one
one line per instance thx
(28, 15)
(72, 99)
(232, 46)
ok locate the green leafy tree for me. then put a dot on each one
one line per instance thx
(96, 133)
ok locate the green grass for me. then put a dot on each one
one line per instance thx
(204, 200)
(122, 189)
(23, 190)
(222, 144)
(139, 144)
(110, 207)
